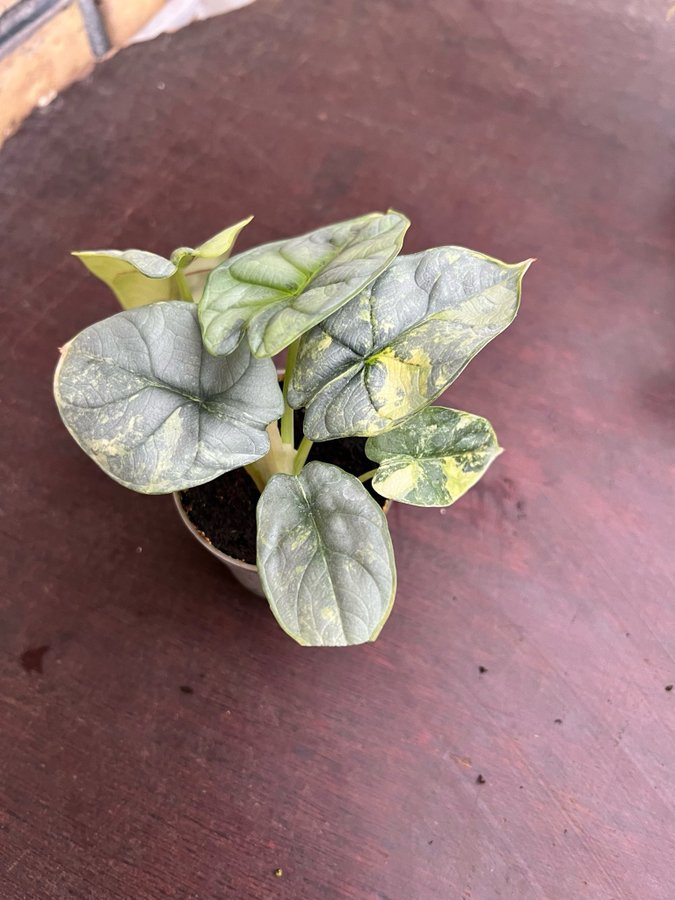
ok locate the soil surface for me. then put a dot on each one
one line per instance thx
(224, 509)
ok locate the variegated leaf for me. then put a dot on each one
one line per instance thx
(277, 292)
(401, 342)
(140, 395)
(433, 457)
(136, 277)
(325, 557)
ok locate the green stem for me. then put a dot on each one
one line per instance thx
(279, 458)
(367, 475)
(183, 289)
(301, 455)
(287, 435)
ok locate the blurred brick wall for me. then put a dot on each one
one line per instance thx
(123, 18)
(44, 46)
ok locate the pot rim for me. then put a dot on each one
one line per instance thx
(205, 542)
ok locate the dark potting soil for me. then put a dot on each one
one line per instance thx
(224, 509)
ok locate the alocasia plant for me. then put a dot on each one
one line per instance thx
(180, 388)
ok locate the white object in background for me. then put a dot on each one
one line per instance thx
(177, 14)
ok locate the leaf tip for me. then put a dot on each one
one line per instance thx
(396, 212)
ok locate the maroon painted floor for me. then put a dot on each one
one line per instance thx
(160, 736)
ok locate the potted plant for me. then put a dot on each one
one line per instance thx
(180, 389)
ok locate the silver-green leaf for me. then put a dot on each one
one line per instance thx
(278, 291)
(325, 557)
(399, 344)
(433, 457)
(140, 395)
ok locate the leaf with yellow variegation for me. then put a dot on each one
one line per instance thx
(325, 557)
(433, 457)
(141, 396)
(396, 346)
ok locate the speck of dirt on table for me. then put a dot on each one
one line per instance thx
(31, 659)
(669, 687)
(480, 779)
(278, 873)
(558, 721)
(482, 670)
(186, 689)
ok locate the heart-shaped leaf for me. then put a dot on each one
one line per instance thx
(140, 395)
(325, 557)
(279, 291)
(433, 457)
(402, 341)
(136, 277)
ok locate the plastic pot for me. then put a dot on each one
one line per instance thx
(245, 573)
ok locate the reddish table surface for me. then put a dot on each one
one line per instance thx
(161, 737)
